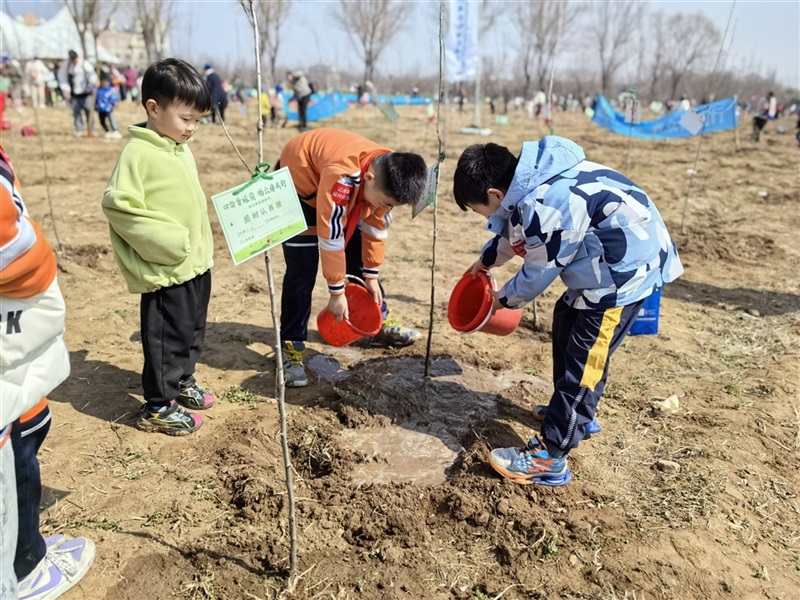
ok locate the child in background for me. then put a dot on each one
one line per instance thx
(348, 185)
(33, 362)
(161, 236)
(105, 100)
(598, 231)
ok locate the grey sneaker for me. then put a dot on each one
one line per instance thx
(66, 562)
(294, 373)
(394, 334)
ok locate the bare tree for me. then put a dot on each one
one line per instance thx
(271, 17)
(690, 40)
(155, 20)
(91, 17)
(612, 29)
(371, 24)
(538, 24)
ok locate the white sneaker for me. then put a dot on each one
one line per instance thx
(115, 135)
(66, 562)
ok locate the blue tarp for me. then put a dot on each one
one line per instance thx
(321, 106)
(718, 116)
(396, 100)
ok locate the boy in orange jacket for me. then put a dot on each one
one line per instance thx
(348, 186)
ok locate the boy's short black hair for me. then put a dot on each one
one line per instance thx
(173, 80)
(482, 166)
(401, 175)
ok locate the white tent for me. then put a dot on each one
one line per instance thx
(50, 40)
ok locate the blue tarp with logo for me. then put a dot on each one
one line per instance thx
(321, 106)
(717, 116)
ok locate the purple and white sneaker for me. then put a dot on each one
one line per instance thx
(66, 562)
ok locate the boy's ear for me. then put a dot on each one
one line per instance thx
(495, 195)
(151, 106)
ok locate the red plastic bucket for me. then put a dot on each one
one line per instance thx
(470, 307)
(365, 316)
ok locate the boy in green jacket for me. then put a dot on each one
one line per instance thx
(161, 236)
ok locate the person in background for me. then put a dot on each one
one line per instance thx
(78, 77)
(36, 72)
(348, 185)
(161, 238)
(105, 101)
(768, 111)
(33, 362)
(302, 93)
(219, 97)
(602, 235)
(131, 77)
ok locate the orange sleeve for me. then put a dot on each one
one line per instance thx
(27, 263)
(335, 200)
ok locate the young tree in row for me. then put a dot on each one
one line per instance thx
(612, 29)
(371, 24)
(271, 18)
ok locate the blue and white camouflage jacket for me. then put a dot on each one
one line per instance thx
(583, 221)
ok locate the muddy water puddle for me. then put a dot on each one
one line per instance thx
(428, 416)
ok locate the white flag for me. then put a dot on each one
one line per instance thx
(461, 43)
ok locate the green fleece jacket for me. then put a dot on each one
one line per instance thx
(158, 213)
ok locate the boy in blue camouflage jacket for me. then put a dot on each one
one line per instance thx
(597, 230)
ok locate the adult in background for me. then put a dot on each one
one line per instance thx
(768, 111)
(131, 82)
(219, 98)
(79, 78)
(36, 72)
(302, 93)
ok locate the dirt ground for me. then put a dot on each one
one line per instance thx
(393, 495)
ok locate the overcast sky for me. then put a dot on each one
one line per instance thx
(764, 35)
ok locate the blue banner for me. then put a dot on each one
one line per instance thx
(717, 116)
(321, 106)
(396, 100)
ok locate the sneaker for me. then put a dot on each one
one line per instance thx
(394, 334)
(115, 135)
(173, 421)
(591, 428)
(78, 134)
(530, 464)
(89, 134)
(64, 565)
(294, 373)
(195, 397)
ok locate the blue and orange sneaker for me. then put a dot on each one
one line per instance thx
(592, 426)
(530, 464)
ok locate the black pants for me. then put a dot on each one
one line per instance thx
(26, 439)
(301, 255)
(173, 322)
(302, 108)
(583, 342)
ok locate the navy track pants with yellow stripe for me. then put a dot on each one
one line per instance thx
(583, 342)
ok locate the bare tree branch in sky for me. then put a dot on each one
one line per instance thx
(371, 24)
(612, 26)
(155, 18)
(91, 17)
(690, 41)
(271, 19)
(537, 27)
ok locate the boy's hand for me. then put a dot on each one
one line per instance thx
(496, 305)
(375, 290)
(477, 266)
(338, 306)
